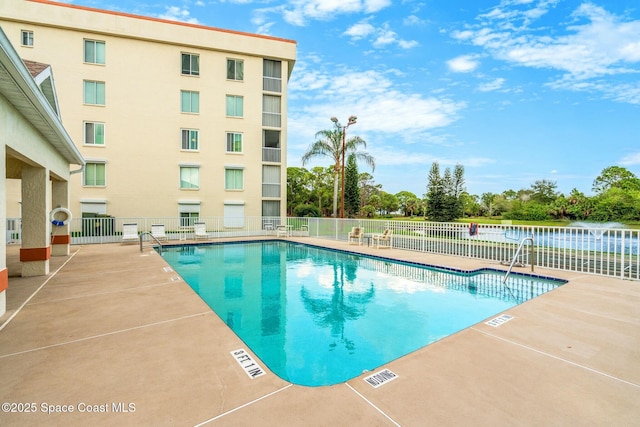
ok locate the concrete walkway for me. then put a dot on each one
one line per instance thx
(118, 338)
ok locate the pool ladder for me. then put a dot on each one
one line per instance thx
(148, 233)
(515, 257)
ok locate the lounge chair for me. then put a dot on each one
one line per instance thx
(356, 235)
(157, 231)
(129, 233)
(303, 230)
(380, 239)
(283, 231)
(200, 230)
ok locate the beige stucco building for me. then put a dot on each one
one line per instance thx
(173, 119)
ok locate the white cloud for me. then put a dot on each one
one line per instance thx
(412, 20)
(360, 30)
(463, 64)
(386, 112)
(297, 12)
(630, 159)
(382, 36)
(595, 46)
(175, 13)
(492, 85)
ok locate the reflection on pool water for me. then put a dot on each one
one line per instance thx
(319, 317)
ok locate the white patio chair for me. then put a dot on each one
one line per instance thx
(157, 231)
(130, 233)
(283, 231)
(200, 230)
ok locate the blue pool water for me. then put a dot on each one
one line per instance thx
(319, 317)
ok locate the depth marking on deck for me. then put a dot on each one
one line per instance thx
(504, 318)
(175, 279)
(247, 363)
(380, 378)
(167, 269)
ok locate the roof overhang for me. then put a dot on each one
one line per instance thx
(20, 89)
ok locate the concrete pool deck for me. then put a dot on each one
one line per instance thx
(112, 330)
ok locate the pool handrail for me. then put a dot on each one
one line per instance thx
(515, 257)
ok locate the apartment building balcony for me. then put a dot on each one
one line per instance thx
(271, 154)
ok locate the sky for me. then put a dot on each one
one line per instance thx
(515, 91)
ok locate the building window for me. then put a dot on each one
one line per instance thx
(271, 146)
(234, 142)
(189, 139)
(189, 102)
(270, 181)
(234, 106)
(189, 213)
(27, 38)
(189, 177)
(233, 214)
(190, 64)
(271, 114)
(270, 208)
(93, 133)
(272, 75)
(233, 178)
(187, 219)
(94, 52)
(94, 93)
(95, 174)
(235, 69)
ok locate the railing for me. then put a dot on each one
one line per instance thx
(271, 154)
(608, 252)
(152, 237)
(515, 257)
(272, 84)
(270, 190)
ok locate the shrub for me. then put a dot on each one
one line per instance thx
(307, 210)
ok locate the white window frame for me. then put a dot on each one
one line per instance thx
(236, 99)
(231, 144)
(190, 71)
(189, 133)
(186, 211)
(227, 184)
(95, 60)
(190, 167)
(96, 92)
(192, 109)
(29, 38)
(94, 124)
(235, 62)
(84, 174)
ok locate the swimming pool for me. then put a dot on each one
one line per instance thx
(319, 317)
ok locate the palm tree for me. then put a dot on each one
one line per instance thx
(329, 143)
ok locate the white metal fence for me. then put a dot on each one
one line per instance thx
(589, 249)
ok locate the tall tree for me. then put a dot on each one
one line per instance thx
(615, 176)
(321, 181)
(544, 191)
(351, 189)
(444, 193)
(408, 202)
(329, 144)
(435, 194)
(298, 188)
(368, 187)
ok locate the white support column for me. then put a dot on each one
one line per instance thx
(36, 249)
(60, 237)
